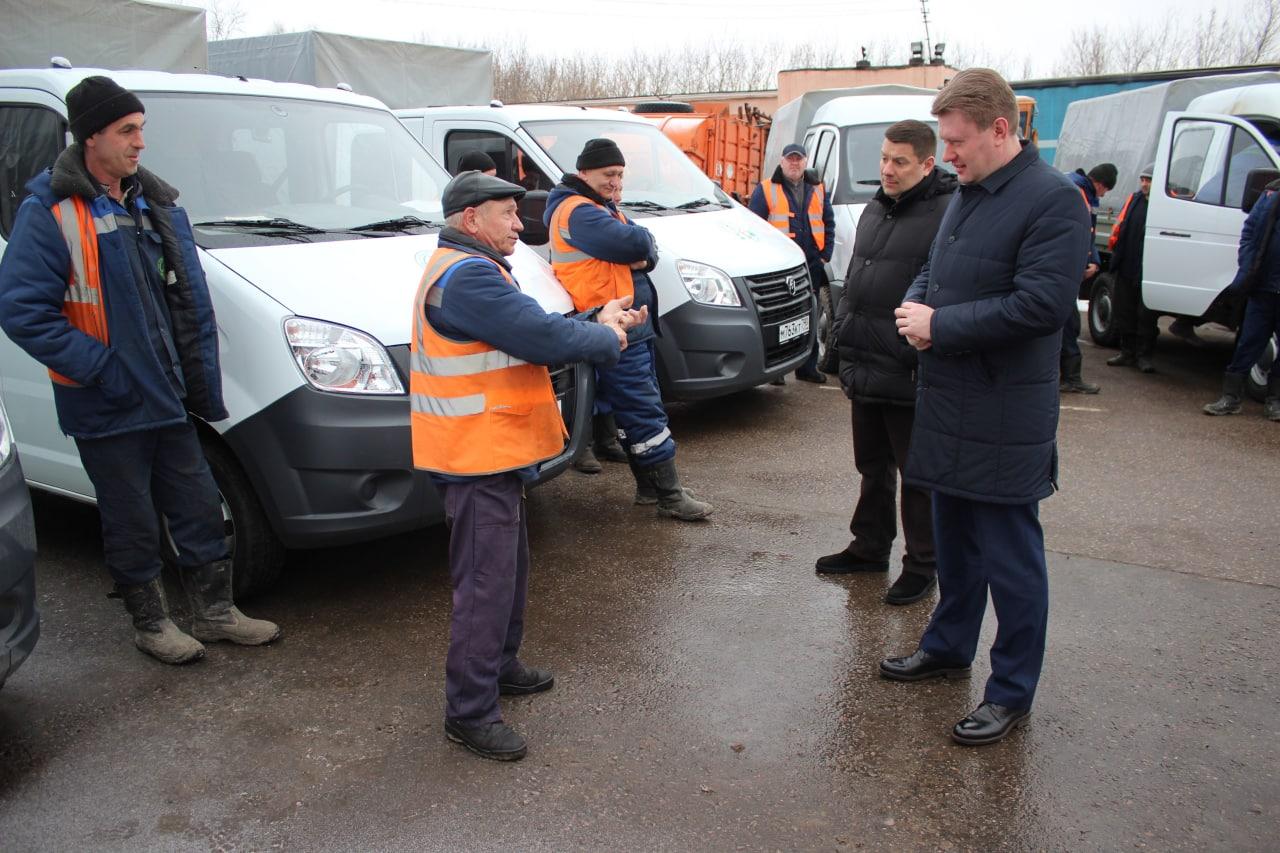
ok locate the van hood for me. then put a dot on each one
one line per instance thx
(734, 240)
(368, 284)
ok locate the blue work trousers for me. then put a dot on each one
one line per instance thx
(1261, 321)
(999, 548)
(630, 390)
(140, 475)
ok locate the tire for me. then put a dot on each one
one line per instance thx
(1102, 326)
(1257, 378)
(257, 557)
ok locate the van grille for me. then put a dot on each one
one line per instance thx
(778, 302)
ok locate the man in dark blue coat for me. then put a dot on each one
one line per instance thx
(130, 341)
(1100, 180)
(986, 315)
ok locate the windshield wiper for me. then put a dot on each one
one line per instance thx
(399, 223)
(643, 205)
(698, 202)
(269, 222)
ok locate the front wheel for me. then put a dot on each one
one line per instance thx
(1102, 319)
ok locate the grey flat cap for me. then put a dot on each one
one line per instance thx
(471, 189)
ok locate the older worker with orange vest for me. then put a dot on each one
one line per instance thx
(483, 415)
(795, 202)
(599, 255)
(101, 284)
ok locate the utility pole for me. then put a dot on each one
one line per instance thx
(924, 12)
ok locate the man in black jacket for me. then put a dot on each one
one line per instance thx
(1136, 324)
(986, 314)
(878, 366)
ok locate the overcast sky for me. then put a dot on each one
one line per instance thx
(990, 28)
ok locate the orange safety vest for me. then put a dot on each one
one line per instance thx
(780, 211)
(474, 409)
(83, 303)
(590, 281)
(1115, 229)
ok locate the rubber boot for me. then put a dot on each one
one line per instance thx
(1232, 394)
(646, 494)
(1271, 408)
(587, 462)
(213, 616)
(1071, 379)
(153, 631)
(673, 500)
(605, 439)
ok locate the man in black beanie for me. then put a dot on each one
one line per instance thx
(1100, 180)
(101, 283)
(477, 161)
(599, 255)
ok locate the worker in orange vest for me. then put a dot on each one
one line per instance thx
(796, 203)
(483, 416)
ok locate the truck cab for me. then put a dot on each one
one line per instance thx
(734, 296)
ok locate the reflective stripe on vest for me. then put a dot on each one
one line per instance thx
(780, 212)
(83, 303)
(475, 410)
(590, 281)
(1115, 229)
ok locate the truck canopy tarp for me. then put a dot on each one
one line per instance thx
(1124, 128)
(400, 74)
(110, 34)
(792, 119)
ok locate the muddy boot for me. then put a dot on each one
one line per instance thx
(1071, 380)
(1232, 394)
(673, 500)
(605, 439)
(646, 494)
(1128, 356)
(587, 462)
(1271, 408)
(213, 616)
(153, 631)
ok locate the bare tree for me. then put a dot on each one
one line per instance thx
(224, 19)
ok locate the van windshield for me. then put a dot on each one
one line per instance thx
(318, 165)
(657, 172)
(860, 162)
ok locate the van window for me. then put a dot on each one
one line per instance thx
(1197, 161)
(859, 176)
(1246, 155)
(822, 154)
(30, 140)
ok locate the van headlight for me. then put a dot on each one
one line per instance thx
(707, 285)
(6, 438)
(336, 358)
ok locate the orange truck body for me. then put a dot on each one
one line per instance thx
(727, 145)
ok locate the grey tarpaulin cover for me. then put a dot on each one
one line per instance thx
(102, 34)
(1124, 128)
(792, 119)
(400, 74)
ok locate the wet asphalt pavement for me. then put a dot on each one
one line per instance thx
(712, 692)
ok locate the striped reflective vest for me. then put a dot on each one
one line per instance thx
(1115, 229)
(475, 410)
(780, 212)
(590, 281)
(83, 303)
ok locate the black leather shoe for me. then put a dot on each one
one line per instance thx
(524, 680)
(1124, 359)
(817, 377)
(1145, 364)
(910, 587)
(843, 563)
(989, 723)
(494, 740)
(920, 665)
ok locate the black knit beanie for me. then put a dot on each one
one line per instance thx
(476, 161)
(96, 102)
(1105, 174)
(599, 153)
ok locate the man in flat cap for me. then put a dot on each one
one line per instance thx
(600, 255)
(483, 416)
(102, 285)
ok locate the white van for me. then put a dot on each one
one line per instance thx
(733, 293)
(315, 212)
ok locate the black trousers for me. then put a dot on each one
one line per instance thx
(881, 436)
(1138, 326)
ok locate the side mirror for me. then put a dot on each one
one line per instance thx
(531, 208)
(1254, 184)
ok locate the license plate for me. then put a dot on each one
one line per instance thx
(793, 329)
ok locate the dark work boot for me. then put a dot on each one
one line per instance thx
(213, 615)
(587, 462)
(1128, 356)
(604, 439)
(646, 494)
(673, 500)
(494, 740)
(910, 587)
(1072, 382)
(1232, 395)
(1271, 408)
(153, 631)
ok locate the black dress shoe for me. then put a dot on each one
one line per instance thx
(989, 723)
(843, 563)
(1145, 364)
(817, 377)
(525, 679)
(920, 665)
(910, 587)
(1124, 359)
(494, 740)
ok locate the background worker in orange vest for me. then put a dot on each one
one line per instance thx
(795, 202)
(1100, 180)
(101, 284)
(599, 255)
(483, 415)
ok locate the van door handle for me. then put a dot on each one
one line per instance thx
(1174, 234)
